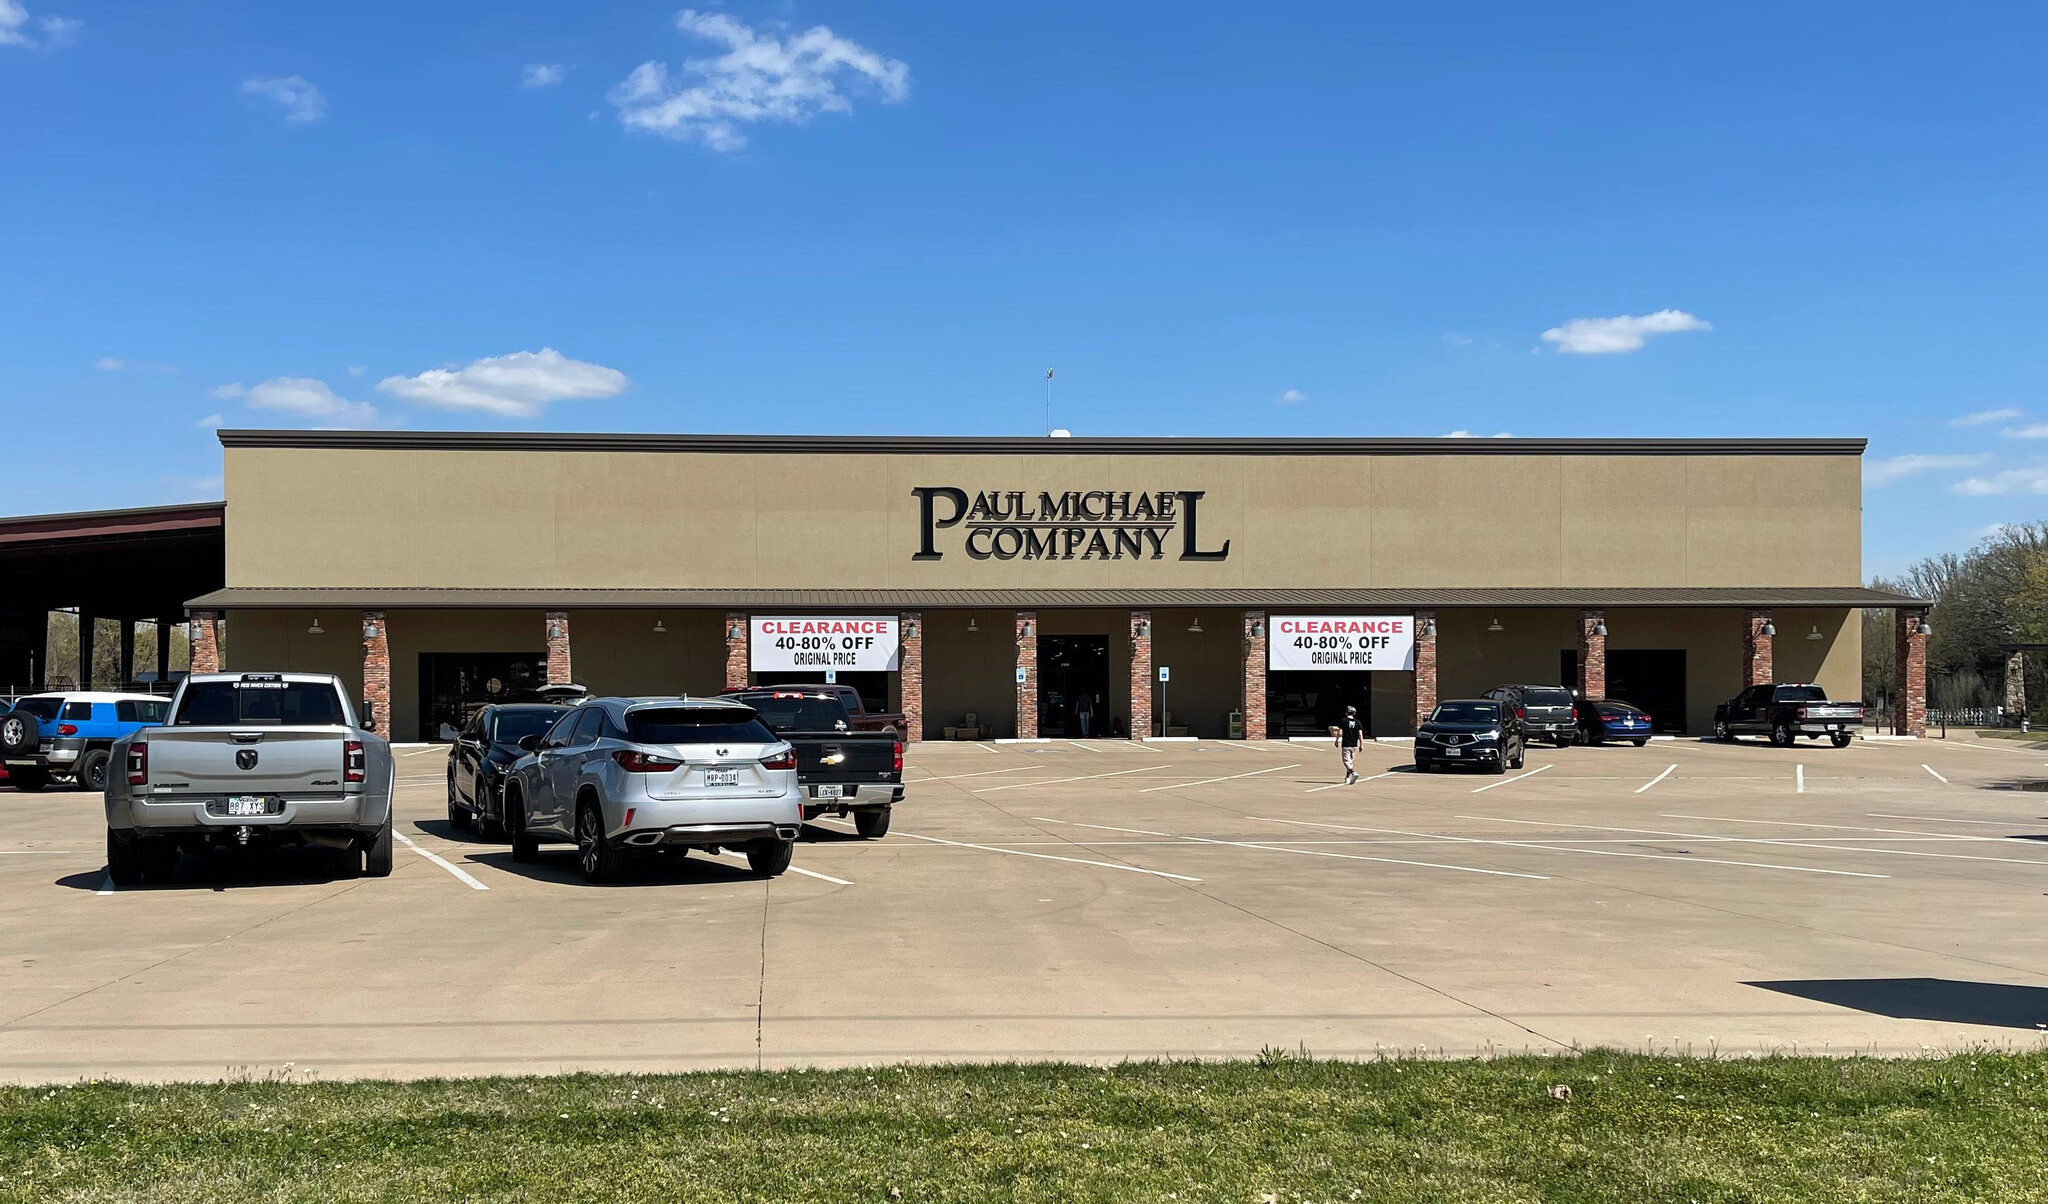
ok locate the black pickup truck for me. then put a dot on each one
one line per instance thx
(1787, 712)
(841, 771)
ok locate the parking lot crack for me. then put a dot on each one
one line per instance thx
(761, 983)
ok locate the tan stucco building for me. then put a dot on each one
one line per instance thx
(1011, 577)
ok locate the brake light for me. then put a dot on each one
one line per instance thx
(1802, 712)
(1520, 713)
(352, 761)
(67, 729)
(899, 756)
(785, 760)
(640, 762)
(138, 764)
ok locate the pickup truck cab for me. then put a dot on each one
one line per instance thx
(858, 716)
(71, 734)
(840, 770)
(251, 758)
(1785, 712)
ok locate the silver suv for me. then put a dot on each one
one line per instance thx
(626, 775)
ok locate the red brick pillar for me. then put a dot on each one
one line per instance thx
(1592, 654)
(377, 672)
(559, 673)
(1141, 674)
(1255, 675)
(1425, 665)
(1756, 649)
(1027, 675)
(911, 670)
(205, 641)
(736, 660)
(1909, 674)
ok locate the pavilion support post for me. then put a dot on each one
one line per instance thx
(736, 644)
(87, 630)
(911, 675)
(1141, 674)
(163, 653)
(1027, 675)
(205, 641)
(127, 653)
(377, 673)
(1592, 681)
(561, 671)
(1909, 673)
(1254, 675)
(1758, 635)
(1425, 665)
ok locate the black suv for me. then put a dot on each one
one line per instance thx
(1546, 712)
(1475, 731)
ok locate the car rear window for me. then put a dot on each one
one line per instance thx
(81, 711)
(1801, 694)
(1618, 710)
(142, 710)
(697, 725)
(795, 713)
(41, 708)
(1465, 712)
(224, 703)
(510, 727)
(1548, 697)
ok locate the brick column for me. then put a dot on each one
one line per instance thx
(1592, 655)
(1027, 686)
(1255, 674)
(1141, 674)
(377, 671)
(1425, 665)
(736, 659)
(911, 669)
(559, 669)
(1909, 674)
(205, 639)
(2015, 687)
(1756, 650)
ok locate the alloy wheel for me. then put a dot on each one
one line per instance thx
(587, 840)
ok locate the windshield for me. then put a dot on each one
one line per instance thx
(41, 708)
(696, 725)
(1466, 712)
(1801, 694)
(795, 713)
(510, 727)
(1549, 696)
(225, 703)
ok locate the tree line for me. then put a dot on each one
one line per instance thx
(1995, 593)
(59, 669)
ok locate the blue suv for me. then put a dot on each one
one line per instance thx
(70, 734)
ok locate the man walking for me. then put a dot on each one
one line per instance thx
(1084, 711)
(1349, 733)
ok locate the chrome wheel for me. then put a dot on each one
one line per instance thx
(589, 843)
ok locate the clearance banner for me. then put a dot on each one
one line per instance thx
(855, 643)
(1349, 642)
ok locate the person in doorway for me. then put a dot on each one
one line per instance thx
(1349, 733)
(1084, 712)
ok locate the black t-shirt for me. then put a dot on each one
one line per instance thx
(1349, 731)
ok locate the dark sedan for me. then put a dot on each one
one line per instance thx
(1476, 731)
(481, 754)
(1603, 719)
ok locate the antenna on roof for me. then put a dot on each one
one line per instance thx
(1048, 403)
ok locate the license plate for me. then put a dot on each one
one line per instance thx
(825, 791)
(248, 804)
(1453, 752)
(721, 777)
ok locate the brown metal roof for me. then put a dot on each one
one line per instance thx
(112, 524)
(1024, 445)
(1042, 599)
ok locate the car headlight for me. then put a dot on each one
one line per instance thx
(1490, 734)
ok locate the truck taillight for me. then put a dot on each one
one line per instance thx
(899, 756)
(639, 762)
(1802, 712)
(352, 761)
(138, 764)
(67, 729)
(1520, 713)
(786, 759)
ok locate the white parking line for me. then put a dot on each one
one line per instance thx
(1108, 865)
(1086, 777)
(1653, 781)
(452, 868)
(1272, 848)
(106, 885)
(980, 774)
(794, 869)
(1334, 785)
(1799, 779)
(1524, 844)
(1943, 819)
(1084, 747)
(1783, 844)
(1787, 823)
(1506, 781)
(1212, 781)
(1937, 777)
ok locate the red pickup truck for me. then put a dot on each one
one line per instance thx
(863, 720)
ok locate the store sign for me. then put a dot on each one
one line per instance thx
(1092, 524)
(1350, 642)
(843, 643)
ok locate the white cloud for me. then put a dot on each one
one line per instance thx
(1897, 468)
(306, 397)
(212, 421)
(356, 369)
(540, 75)
(519, 385)
(301, 101)
(109, 363)
(1454, 339)
(227, 392)
(2038, 430)
(2012, 480)
(1291, 397)
(760, 77)
(18, 28)
(1464, 434)
(1615, 336)
(1981, 417)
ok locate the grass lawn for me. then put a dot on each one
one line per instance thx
(1635, 1128)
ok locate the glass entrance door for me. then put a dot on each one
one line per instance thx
(1072, 668)
(456, 685)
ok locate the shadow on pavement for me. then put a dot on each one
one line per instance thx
(236, 870)
(1949, 1000)
(557, 865)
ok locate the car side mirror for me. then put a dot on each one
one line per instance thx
(369, 716)
(529, 743)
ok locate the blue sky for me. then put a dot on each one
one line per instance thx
(1344, 219)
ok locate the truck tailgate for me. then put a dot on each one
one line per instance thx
(844, 756)
(272, 760)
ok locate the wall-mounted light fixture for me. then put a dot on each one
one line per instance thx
(1922, 629)
(1142, 630)
(660, 628)
(973, 628)
(1815, 633)
(1429, 627)
(316, 629)
(1196, 626)
(1769, 630)
(1025, 629)
(1258, 629)
(912, 629)
(1495, 625)
(736, 630)
(1600, 628)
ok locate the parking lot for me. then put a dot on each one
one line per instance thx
(1093, 900)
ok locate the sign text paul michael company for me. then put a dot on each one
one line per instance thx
(1079, 524)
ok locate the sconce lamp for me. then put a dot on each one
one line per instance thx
(1142, 631)
(973, 627)
(1600, 628)
(1923, 628)
(1429, 627)
(911, 629)
(1815, 633)
(1495, 625)
(735, 630)
(1769, 630)
(1025, 629)
(316, 629)
(1196, 626)
(660, 628)
(1258, 628)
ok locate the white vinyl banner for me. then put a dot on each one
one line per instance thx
(1352, 642)
(848, 643)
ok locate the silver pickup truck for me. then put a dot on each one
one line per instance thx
(251, 758)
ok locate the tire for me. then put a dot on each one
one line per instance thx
(1639, 743)
(123, 866)
(1561, 741)
(600, 859)
(769, 858)
(872, 825)
(20, 732)
(1722, 732)
(28, 779)
(525, 847)
(458, 815)
(158, 860)
(486, 825)
(1782, 737)
(348, 862)
(1839, 739)
(377, 857)
(92, 771)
